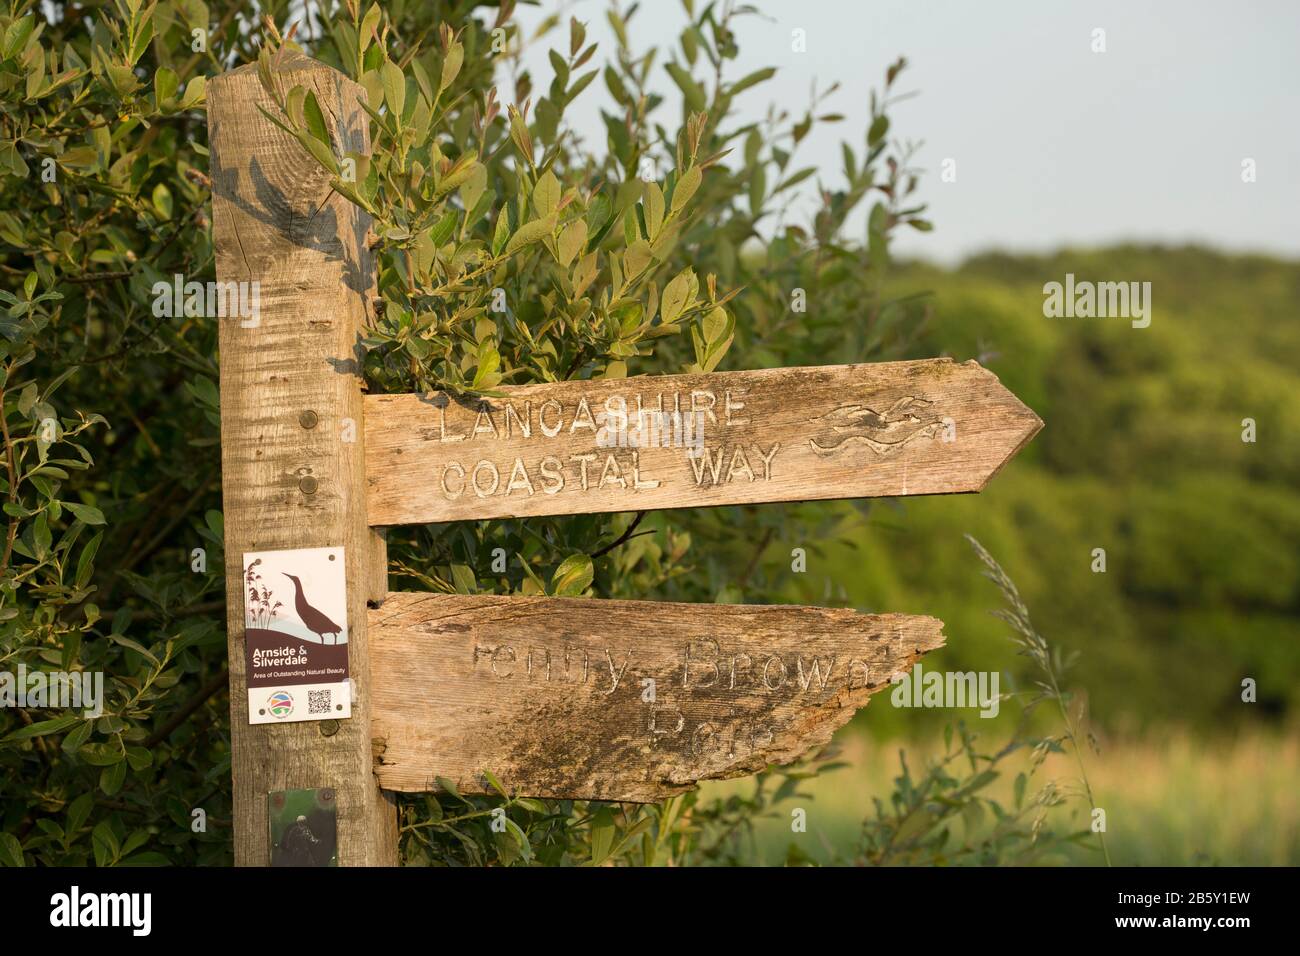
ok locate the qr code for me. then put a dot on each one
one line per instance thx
(319, 701)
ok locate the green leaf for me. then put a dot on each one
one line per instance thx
(451, 66)
(315, 118)
(637, 258)
(715, 325)
(546, 195)
(573, 576)
(879, 127)
(101, 755)
(112, 778)
(654, 209)
(79, 812)
(17, 34)
(686, 187)
(602, 836)
(373, 83)
(368, 25)
(443, 228)
(757, 190)
(105, 843)
(758, 76)
(489, 361)
(35, 77)
(142, 39)
(463, 577)
(501, 233)
(531, 574)
(122, 78)
(324, 155)
(579, 85)
(972, 815)
(473, 186)
(572, 239)
(162, 201)
(194, 93)
(264, 73)
(165, 85)
(495, 783)
(521, 838)
(86, 560)
(134, 645)
(676, 296)
(42, 728)
(615, 85)
(561, 72)
(394, 89)
(692, 92)
(41, 536)
(73, 740)
(12, 159)
(794, 180)
(11, 851)
(530, 232)
(27, 399)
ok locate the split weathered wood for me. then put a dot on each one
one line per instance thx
(617, 700)
(290, 402)
(684, 441)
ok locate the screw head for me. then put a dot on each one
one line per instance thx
(308, 484)
(308, 418)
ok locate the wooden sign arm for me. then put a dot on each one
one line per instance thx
(618, 700)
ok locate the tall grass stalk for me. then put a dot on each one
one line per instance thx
(1035, 647)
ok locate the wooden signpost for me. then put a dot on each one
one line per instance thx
(583, 699)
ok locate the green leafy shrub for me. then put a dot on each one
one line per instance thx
(664, 251)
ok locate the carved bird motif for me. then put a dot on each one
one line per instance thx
(884, 433)
(316, 622)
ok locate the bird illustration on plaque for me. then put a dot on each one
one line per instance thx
(296, 635)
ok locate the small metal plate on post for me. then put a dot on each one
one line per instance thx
(304, 827)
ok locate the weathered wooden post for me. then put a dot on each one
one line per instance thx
(292, 436)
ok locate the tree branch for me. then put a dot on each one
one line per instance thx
(175, 720)
(623, 538)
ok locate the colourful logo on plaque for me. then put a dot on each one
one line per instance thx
(280, 704)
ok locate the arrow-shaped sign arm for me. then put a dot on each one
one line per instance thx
(617, 700)
(677, 441)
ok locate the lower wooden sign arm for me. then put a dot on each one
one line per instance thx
(617, 700)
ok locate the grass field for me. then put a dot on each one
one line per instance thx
(1170, 799)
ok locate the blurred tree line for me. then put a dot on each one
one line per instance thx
(1143, 455)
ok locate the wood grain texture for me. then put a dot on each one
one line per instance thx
(788, 434)
(550, 694)
(277, 222)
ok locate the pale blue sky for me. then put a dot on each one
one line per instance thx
(1055, 145)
